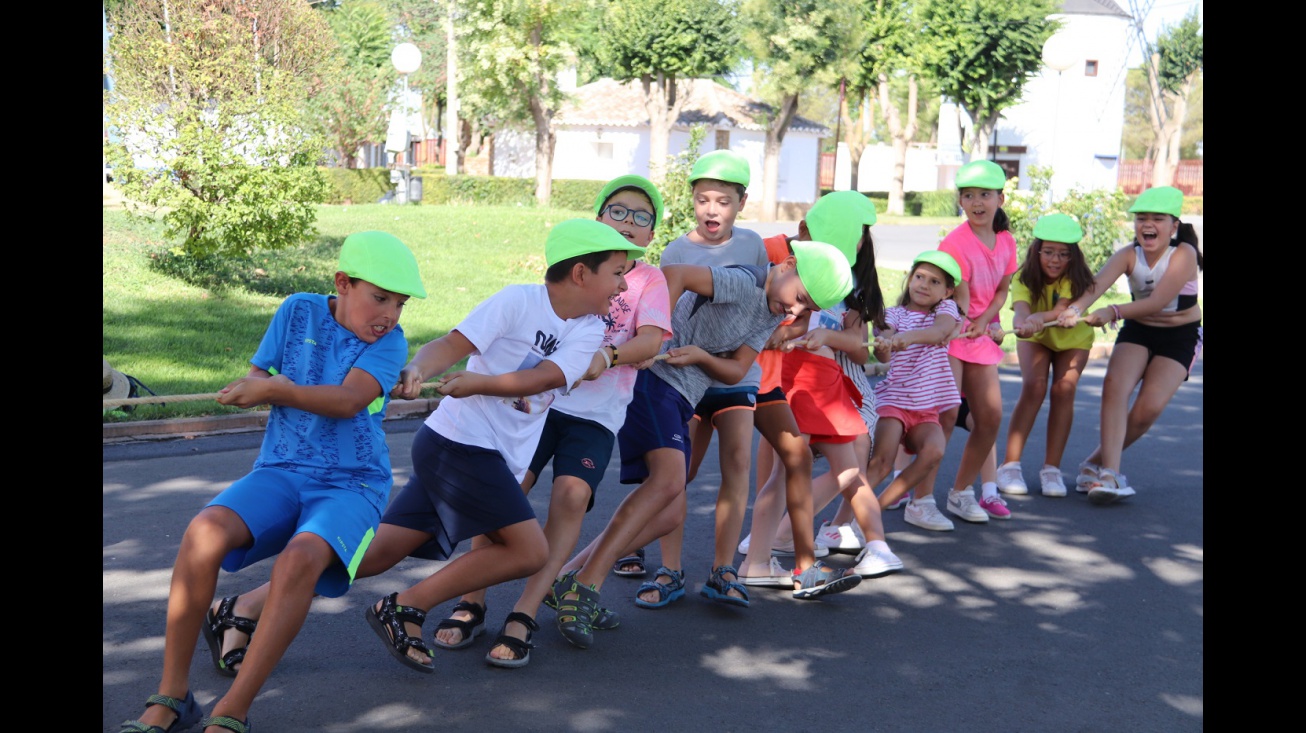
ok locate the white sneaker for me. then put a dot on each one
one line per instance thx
(1010, 480)
(872, 564)
(840, 538)
(963, 504)
(1050, 478)
(924, 513)
(1110, 488)
(782, 550)
(743, 545)
(1087, 477)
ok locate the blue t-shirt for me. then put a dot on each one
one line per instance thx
(305, 343)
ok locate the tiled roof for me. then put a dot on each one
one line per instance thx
(611, 103)
(1092, 7)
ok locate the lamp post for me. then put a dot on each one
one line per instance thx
(1059, 53)
(406, 59)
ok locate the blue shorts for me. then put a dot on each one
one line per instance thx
(456, 492)
(277, 504)
(657, 417)
(577, 447)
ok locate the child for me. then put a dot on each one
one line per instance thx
(318, 486)
(919, 386)
(718, 183)
(1159, 342)
(582, 425)
(729, 310)
(986, 252)
(1054, 274)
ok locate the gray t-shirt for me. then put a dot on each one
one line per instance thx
(736, 315)
(745, 247)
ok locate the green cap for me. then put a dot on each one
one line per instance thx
(723, 165)
(381, 259)
(941, 260)
(574, 237)
(823, 271)
(981, 174)
(838, 218)
(1159, 200)
(632, 181)
(1058, 228)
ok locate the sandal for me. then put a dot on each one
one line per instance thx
(606, 620)
(521, 649)
(636, 559)
(667, 592)
(821, 579)
(188, 714)
(216, 626)
(576, 615)
(718, 588)
(231, 724)
(470, 629)
(388, 623)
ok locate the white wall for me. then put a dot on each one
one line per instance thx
(875, 171)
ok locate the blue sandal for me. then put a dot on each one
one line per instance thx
(667, 592)
(188, 714)
(718, 588)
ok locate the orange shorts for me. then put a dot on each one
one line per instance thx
(821, 396)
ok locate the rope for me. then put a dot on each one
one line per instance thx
(158, 399)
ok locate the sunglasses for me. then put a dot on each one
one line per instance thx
(618, 212)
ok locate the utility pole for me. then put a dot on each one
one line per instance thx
(451, 131)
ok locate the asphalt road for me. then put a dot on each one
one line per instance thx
(1068, 617)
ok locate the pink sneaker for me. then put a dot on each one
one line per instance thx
(995, 507)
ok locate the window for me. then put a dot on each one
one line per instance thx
(603, 150)
(1090, 68)
(722, 139)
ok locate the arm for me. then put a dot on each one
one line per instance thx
(935, 335)
(1119, 264)
(851, 342)
(961, 296)
(788, 331)
(680, 278)
(340, 401)
(727, 369)
(644, 346)
(990, 315)
(1183, 267)
(433, 358)
(540, 378)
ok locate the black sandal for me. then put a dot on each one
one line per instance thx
(231, 724)
(637, 560)
(216, 627)
(388, 623)
(521, 649)
(470, 629)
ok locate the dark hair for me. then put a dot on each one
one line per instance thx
(639, 191)
(866, 297)
(1077, 272)
(738, 186)
(559, 270)
(905, 298)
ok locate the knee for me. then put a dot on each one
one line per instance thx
(930, 455)
(1063, 389)
(798, 461)
(570, 497)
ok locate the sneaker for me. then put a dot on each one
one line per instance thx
(901, 502)
(1050, 478)
(1087, 477)
(926, 515)
(963, 504)
(994, 506)
(821, 579)
(782, 550)
(1010, 480)
(873, 564)
(839, 537)
(1110, 488)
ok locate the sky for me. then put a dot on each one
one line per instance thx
(1162, 12)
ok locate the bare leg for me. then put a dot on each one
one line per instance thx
(984, 393)
(1067, 367)
(1035, 359)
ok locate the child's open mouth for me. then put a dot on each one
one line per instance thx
(712, 226)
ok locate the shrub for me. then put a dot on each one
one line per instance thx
(1101, 213)
(677, 201)
(356, 185)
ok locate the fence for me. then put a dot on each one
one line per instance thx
(1135, 175)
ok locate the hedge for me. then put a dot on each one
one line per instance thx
(368, 185)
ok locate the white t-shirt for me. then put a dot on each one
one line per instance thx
(515, 329)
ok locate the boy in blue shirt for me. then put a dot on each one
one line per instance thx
(322, 478)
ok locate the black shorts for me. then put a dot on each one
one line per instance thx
(577, 447)
(1180, 343)
(962, 411)
(774, 395)
(714, 403)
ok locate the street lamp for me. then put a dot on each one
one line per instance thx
(1060, 52)
(406, 58)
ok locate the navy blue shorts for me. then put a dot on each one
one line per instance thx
(457, 492)
(715, 402)
(577, 447)
(657, 417)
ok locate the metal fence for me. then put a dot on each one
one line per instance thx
(1135, 175)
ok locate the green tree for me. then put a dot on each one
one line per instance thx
(208, 115)
(677, 198)
(660, 43)
(1101, 213)
(423, 25)
(984, 52)
(795, 45)
(352, 107)
(1173, 68)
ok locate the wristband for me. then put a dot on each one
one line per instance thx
(1116, 310)
(1075, 308)
(614, 356)
(607, 360)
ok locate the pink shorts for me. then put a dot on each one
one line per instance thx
(909, 419)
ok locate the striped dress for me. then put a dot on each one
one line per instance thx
(919, 377)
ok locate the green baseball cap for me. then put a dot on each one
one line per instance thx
(383, 260)
(1159, 200)
(1058, 228)
(723, 165)
(632, 181)
(981, 174)
(838, 218)
(574, 237)
(824, 272)
(941, 260)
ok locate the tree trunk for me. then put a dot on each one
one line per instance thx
(544, 139)
(901, 134)
(663, 103)
(775, 135)
(856, 134)
(1171, 133)
(983, 137)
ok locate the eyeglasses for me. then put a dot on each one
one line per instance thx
(1051, 255)
(618, 212)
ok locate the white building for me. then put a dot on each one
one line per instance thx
(603, 132)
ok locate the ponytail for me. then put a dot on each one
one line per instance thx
(1188, 235)
(1001, 222)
